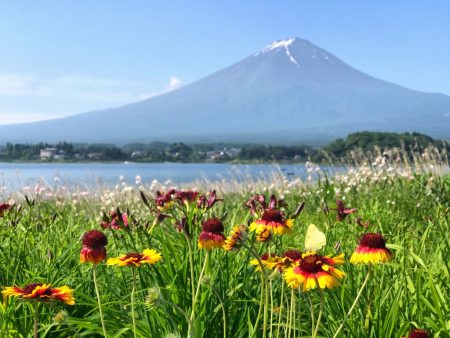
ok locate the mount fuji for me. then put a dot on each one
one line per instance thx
(289, 91)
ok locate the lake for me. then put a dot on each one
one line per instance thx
(18, 175)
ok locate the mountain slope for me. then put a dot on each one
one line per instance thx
(291, 90)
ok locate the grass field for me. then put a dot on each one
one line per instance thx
(41, 239)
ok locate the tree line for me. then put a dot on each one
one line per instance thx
(217, 152)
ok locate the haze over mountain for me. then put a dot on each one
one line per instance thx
(290, 91)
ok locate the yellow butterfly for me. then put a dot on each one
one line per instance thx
(314, 239)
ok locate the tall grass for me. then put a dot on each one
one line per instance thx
(406, 201)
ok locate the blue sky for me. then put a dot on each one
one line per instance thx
(66, 57)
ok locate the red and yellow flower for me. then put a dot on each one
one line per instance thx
(278, 263)
(315, 271)
(273, 220)
(236, 238)
(263, 235)
(267, 260)
(371, 250)
(135, 259)
(93, 250)
(291, 258)
(41, 292)
(212, 234)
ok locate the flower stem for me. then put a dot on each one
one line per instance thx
(36, 318)
(271, 303)
(199, 283)
(311, 309)
(191, 267)
(261, 302)
(155, 222)
(358, 296)
(288, 318)
(264, 291)
(271, 308)
(319, 317)
(299, 309)
(133, 290)
(291, 313)
(224, 315)
(192, 332)
(280, 314)
(94, 275)
(266, 305)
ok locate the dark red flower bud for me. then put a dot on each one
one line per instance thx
(94, 239)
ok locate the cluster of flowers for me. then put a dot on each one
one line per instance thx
(306, 269)
(309, 269)
(93, 251)
(42, 292)
(94, 244)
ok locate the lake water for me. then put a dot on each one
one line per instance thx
(15, 175)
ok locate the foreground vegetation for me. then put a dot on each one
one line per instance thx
(41, 239)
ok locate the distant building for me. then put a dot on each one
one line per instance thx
(52, 154)
(48, 153)
(137, 154)
(214, 155)
(94, 156)
(233, 152)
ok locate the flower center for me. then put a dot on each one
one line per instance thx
(272, 215)
(265, 256)
(213, 225)
(30, 287)
(293, 255)
(372, 240)
(135, 255)
(311, 264)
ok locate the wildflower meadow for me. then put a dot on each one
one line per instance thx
(360, 253)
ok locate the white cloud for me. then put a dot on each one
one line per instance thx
(174, 83)
(24, 117)
(79, 94)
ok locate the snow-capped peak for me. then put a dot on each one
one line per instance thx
(280, 44)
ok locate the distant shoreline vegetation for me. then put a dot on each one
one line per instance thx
(219, 152)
